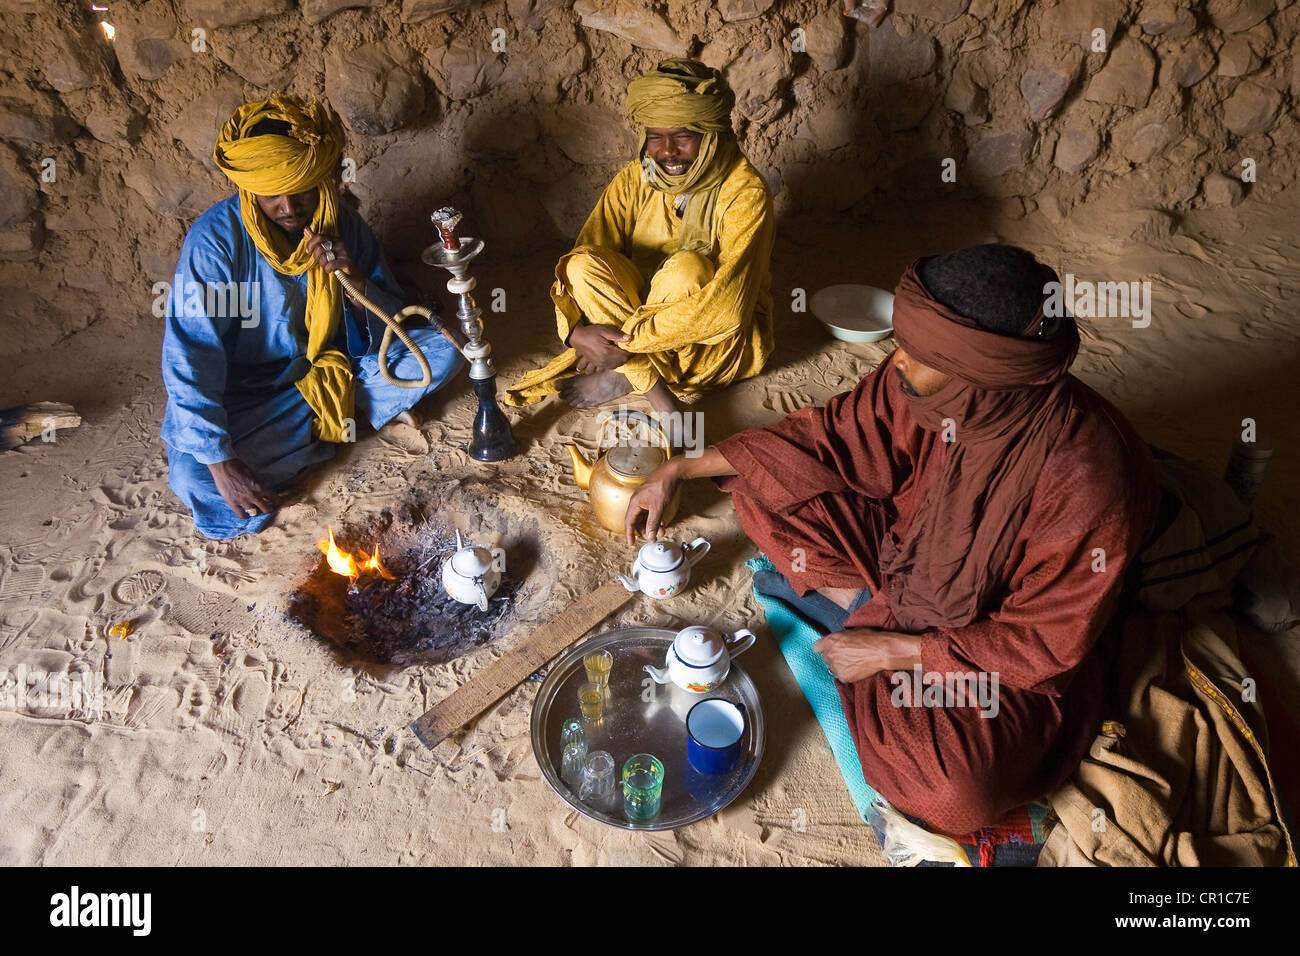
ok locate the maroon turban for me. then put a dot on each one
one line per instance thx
(1006, 401)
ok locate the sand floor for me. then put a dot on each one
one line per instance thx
(232, 736)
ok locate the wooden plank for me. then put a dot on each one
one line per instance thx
(501, 676)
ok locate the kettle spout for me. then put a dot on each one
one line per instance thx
(660, 674)
(581, 467)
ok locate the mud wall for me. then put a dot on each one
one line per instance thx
(513, 109)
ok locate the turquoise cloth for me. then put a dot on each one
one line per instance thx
(795, 636)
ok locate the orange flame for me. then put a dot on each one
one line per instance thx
(342, 562)
(372, 564)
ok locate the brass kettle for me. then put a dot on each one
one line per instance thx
(615, 476)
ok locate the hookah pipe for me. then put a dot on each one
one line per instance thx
(492, 440)
(393, 330)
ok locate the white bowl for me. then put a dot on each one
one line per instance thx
(854, 313)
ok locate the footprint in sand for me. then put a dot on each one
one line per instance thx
(786, 402)
(195, 700)
(404, 438)
(250, 696)
(86, 586)
(21, 580)
(251, 691)
(138, 588)
(120, 659)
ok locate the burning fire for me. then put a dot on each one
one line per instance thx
(342, 562)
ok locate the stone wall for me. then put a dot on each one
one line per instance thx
(513, 109)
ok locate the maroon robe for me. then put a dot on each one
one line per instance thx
(831, 481)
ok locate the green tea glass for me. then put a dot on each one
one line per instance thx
(643, 786)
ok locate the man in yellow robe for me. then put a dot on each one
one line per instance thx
(667, 290)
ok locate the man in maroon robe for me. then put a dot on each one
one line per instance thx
(969, 511)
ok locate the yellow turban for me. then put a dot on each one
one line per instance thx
(271, 165)
(686, 94)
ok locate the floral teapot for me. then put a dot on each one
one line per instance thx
(700, 658)
(470, 575)
(662, 569)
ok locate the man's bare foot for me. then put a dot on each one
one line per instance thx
(842, 597)
(588, 391)
(665, 410)
(405, 418)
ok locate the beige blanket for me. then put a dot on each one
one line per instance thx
(1178, 775)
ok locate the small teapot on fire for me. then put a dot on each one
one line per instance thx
(470, 575)
(615, 476)
(700, 658)
(662, 569)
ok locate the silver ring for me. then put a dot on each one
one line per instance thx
(329, 256)
(328, 244)
(250, 512)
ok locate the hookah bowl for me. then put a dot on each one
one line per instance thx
(493, 440)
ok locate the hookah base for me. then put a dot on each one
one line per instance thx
(493, 440)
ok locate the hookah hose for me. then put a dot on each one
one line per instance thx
(394, 330)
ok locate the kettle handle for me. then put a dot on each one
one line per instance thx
(740, 642)
(696, 550)
(640, 416)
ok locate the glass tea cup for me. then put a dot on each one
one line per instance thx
(643, 785)
(597, 777)
(591, 700)
(598, 664)
(571, 732)
(572, 763)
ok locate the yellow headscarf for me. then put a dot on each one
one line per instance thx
(686, 94)
(270, 165)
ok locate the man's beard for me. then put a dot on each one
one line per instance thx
(906, 386)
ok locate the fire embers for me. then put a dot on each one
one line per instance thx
(393, 609)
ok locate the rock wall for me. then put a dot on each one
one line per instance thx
(513, 109)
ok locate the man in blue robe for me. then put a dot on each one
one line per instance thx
(244, 336)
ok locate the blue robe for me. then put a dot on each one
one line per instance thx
(232, 353)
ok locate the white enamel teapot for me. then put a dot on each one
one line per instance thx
(663, 569)
(700, 658)
(470, 575)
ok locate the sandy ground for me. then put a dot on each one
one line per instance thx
(232, 736)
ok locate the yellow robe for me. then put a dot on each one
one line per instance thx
(694, 323)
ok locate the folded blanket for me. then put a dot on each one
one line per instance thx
(1179, 774)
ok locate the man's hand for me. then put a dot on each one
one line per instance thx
(652, 498)
(597, 347)
(240, 488)
(331, 254)
(859, 653)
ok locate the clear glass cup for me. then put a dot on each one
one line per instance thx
(597, 777)
(643, 786)
(572, 763)
(591, 700)
(571, 732)
(598, 664)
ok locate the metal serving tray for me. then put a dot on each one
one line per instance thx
(643, 717)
